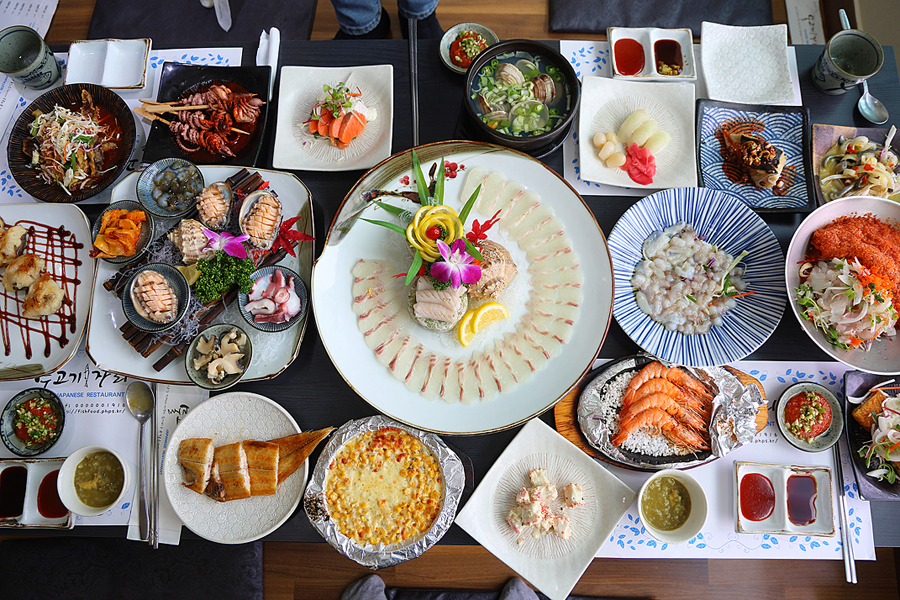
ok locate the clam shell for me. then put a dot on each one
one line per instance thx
(190, 240)
(509, 74)
(261, 217)
(214, 205)
(544, 89)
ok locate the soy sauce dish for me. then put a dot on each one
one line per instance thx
(672, 506)
(783, 499)
(652, 54)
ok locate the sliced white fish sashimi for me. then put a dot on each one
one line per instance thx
(423, 364)
(531, 350)
(507, 198)
(475, 177)
(391, 346)
(503, 377)
(402, 362)
(558, 261)
(540, 337)
(546, 232)
(482, 378)
(450, 389)
(535, 221)
(548, 247)
(555, 277)
(434, 380)
(521, 208)
(493, 186)
(546, 308)
(566, 293)
(520, 363)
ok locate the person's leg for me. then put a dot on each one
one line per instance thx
(370, 587)
(423, 11)
(361, 19)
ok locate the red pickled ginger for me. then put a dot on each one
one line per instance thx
(640, 165)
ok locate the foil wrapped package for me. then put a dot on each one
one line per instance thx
(380, 556)
(733, 424)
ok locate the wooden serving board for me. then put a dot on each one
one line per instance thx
(565, 413)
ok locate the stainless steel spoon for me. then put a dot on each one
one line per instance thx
(140, 402)
(869, 106)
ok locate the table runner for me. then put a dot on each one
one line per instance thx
(593, 59)
(718, 539)
(19, 98)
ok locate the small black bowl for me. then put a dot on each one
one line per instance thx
(8, 422)
(179, 285)
(143, 240)
(548, 56)
(299, 288)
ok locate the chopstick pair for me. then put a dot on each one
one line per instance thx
(846, 539)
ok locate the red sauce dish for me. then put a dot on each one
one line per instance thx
(807, 415)
(757, 497)
(629, 56)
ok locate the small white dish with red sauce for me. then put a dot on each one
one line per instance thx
(28, 495)
(783, 499)
(638, 51)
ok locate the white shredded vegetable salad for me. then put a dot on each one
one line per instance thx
(860, 167)
(883, 452)
(64, 148)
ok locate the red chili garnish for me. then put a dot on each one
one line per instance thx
(264, 186)
(433, 233)
(868, 167)
(479, 231)
(865, 180)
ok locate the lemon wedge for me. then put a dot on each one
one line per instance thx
(464, 332)
(190, 272)
(487, 313)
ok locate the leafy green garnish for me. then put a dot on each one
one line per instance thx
(219, 273)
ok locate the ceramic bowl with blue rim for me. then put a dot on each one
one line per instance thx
(726, 222)
(829, 437)
(785, 127)
(197, 359)
(273, 326)
(182, 293)
(143, 240)
(17, 445)
(168, 188)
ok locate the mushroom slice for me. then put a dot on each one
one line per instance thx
(206, 345)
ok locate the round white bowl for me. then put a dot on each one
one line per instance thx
(65, 482)
(884, 356)
(695, 521)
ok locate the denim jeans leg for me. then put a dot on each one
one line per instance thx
(357, 17)
(418, 9)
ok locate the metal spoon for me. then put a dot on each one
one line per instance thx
(869, 106)
(140, 402)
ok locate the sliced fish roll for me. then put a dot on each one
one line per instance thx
(535, 221)
(524, 206)
(476, 177)
(493, 185)
(507, 198)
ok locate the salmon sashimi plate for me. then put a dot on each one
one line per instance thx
(339, 115)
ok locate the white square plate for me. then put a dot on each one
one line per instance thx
(606, 103)
(116, 64)
(746, 64)
(296, 148)
(551, 564)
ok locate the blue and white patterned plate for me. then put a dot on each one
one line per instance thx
(725, 221)
(785, 127)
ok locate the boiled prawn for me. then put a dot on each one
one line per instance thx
(656, 419)
(665, 402)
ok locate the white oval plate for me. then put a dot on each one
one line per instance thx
(228, 418)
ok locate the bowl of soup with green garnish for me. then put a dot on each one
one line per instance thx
(672, 506)
(93, 480)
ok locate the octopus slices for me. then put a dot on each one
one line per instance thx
(153, 296)
(44, 298)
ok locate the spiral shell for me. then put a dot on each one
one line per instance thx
(214, 205)
(190, 240)
(261, 217)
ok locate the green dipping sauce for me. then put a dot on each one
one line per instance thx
(666, 504)
(99, 479)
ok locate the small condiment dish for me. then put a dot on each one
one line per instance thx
(182, 292)
(115, 64)
(821, 442)
(696, 519)
(153, 201)
(200, 376)
(14, 443)
(299, 288)
(450, 36)
(671, 46)
(65, 482)
(146, 230)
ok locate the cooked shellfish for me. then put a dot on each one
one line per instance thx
(190, 240)
(509, 74)
(214, 205)
(153, 296)
(544, 88)
(261, 217)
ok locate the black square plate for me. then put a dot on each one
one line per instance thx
(176, 80)
(785, 127)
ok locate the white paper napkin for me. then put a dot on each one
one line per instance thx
(267, 53)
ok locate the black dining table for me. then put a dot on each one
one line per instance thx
(312, 389)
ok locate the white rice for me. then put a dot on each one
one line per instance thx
(679, 283)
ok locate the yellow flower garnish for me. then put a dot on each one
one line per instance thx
(425, 220)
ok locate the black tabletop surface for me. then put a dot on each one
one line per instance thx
(311, 388)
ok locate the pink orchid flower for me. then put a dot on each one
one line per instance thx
(229, 243)
(455, 267)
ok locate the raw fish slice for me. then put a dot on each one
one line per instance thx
(364, 303)
(549, 247)
(451, 386)
(564, 276)
(531, 350)
(370, 319)
(524, 206)
(549, 230)
(558, 261)
(483, 378)
(434, 379)
(507, 199)
(423, 361)
(546, 311)
(523, 365)
(476, 177)
(385, 331)
(493, 185)
(368, 269)
(504, 379)
(387, 350)
(548, 346)
(551, 335)
(528, 224)
(563, 293)
(402, 361)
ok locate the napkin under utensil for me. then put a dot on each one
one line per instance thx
(267, 54)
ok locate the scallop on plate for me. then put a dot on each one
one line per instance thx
(722, 220)
(505, 376)
(606, 105)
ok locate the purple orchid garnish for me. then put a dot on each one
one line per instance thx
(229, 243)
(455, 267)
